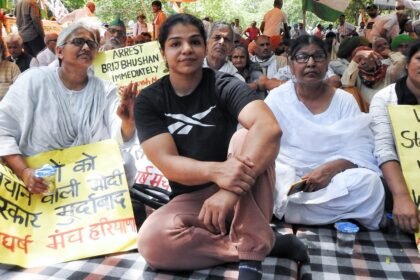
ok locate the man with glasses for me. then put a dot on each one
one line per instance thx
(219, 47)
(47, 56)
(115, 36)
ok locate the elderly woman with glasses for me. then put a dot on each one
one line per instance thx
(55, 108)
(326, 144)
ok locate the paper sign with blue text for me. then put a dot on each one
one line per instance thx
(89, 213)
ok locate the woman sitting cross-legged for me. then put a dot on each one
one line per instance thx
(327, 142)
(221, 205)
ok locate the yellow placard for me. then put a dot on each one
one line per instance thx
(405, 121)
(88, 214)
(141, 63)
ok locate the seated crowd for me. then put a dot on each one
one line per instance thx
(305, 109)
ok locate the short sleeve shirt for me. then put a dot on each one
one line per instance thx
(200, 123)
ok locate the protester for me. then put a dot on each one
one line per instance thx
(56, 108)
(274, 23)
(17, 55)
(369, 72)
(140, 26)
(344, 29)
(47, 56)
(8, 71)
(4, 23)
(251, 71)
(319, 31)
(388, 26)
(28, 21)
(344, 54)
(237, 27)
(159, 18)
(115, 36)
(401, 43)
(79, 14)
(252, 32)
(405, 91)
(372, 11)
(147, 37)
(327, 142)
(219, 47)
(299, 31)
(191, 115)
(265, 57)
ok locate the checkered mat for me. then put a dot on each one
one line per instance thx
(377, 256)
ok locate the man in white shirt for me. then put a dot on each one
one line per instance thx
(47, 56)
(219, 47)
(87, 11)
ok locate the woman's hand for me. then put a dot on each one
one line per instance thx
(235, 175)
(321, 176)
(405, 213)
(126, 110)
(318, 178)
(215, 209)
(34, 184)
(128, 95)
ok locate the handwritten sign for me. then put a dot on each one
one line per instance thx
(90, 208)
(147, 173)
(405, 121)
(141, 63)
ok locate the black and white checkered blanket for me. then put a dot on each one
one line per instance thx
(376, 256)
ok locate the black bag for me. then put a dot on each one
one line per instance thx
(153, 197)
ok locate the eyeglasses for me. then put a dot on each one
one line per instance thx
(114, 30)
(304, 58)
(80, 42)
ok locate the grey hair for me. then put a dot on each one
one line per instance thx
(219, 25)
(68, 31)
(14, 37)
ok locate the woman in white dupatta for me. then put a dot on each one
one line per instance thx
(55, 108)
(327, 142)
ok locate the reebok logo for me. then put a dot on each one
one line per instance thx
(184, 123)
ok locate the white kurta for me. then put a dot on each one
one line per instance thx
(45, 57)
(39, 114)
(308, 141)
